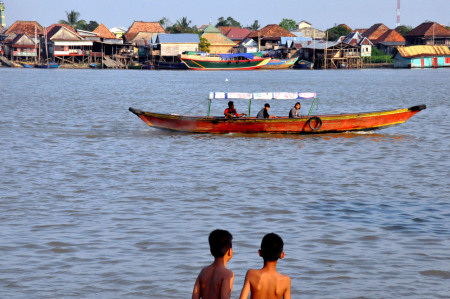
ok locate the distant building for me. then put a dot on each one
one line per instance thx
(176, 43)
(29, 27)
(384, 38)
(356, 39)
(269, 37)
(219, 43)
(330, 55)
(143, 31)
(65, 45)
(236, 34)
(390, 41)
(422, 56)
(306, 30)
(428, 33)
(21, 47)
(118, 31)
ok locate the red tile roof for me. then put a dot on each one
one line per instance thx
(238, 33)
(374, 32)
(224, 29)
(139, 26)
(429, 29)
(28, 27)
(104, 32)
(390, 36)
(360, 30)
(272, 31)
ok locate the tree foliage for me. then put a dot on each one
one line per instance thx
(254, 26)
(336, 32)
(403, 29)
(204, 45)
(73, 20)
(288, 24)
(228, 22)
(182, 26)
(165, 23)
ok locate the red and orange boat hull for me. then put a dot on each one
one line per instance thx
(332, 123)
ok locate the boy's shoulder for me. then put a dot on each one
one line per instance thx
(210, 269)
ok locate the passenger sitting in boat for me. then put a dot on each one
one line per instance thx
(294, 113)
(264, 112)
(230, 112)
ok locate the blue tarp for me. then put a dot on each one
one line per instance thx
(229, 56)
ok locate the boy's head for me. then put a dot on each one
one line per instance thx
(219, 242)
(271, 247)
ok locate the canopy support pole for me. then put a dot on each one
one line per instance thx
(249, 106)
(313, 105)
(209, 107)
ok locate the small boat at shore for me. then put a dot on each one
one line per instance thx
(239, 61)
(304, 64)
(27, 64)
(307, 124)
(279, 64)
(48, 65)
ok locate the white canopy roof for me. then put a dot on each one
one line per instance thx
(262, 95)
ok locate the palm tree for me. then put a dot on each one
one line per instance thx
(182, 25)
(73, 19)
(254, 26)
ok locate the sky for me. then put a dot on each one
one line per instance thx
(322, 14)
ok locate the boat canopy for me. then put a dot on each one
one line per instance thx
(262, 95)
(230, 56)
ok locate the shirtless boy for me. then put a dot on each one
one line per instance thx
(267, 283)
(216, 281)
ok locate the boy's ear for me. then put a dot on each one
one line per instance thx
(259, 252)
(282, 255)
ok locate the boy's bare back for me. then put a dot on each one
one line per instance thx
(214, 282)
(266, 284)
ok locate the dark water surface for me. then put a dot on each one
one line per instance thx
(95, 204)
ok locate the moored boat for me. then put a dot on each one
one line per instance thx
(304, 64)
(48, 65)
(307, 124)
(27, 64)
(134, 66)
(240, 61)
(280, 63)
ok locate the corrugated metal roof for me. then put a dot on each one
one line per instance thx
(178, 38)
(418, 51)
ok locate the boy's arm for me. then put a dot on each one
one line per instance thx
(196, 292)
(246, 288)
(227, 286)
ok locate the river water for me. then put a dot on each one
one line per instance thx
(96, 204)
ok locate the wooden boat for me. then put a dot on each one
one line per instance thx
(27, 64)
(147, 66)
(304, 64)
(170, 65)
(49, 65)
(278, 64)
(240, 61)
(311, 123)
(134, 66)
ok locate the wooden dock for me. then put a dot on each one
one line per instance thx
(6, 61)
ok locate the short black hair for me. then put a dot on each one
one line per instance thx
(230, 103)
(298, 103)
(271, 247)
(267, 105)
(219, 242)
